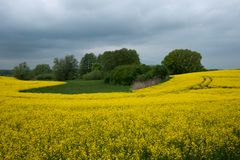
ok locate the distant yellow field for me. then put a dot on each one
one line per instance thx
(192, 116)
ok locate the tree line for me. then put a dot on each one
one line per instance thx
(116, 67)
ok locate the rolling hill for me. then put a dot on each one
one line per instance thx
(191, 116)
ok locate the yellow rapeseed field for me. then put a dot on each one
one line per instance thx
(191, 116)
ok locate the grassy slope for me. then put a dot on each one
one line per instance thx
(191, 116)
(77, 86)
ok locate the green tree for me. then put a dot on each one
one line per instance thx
(183, 61)
(125, 74)
(96, 66)
(22, 71)
(111, 59)
(4, 72)
(152, 72)
(160, 71)
(93, 75)
(87, 62)
(66, 68)
(42, 69)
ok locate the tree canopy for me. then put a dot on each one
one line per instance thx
(87, 62)
(66, 68)
(111, 59)
(22, 71)
(127, 74)
(42, 69)
(117, 67)
(183, 61)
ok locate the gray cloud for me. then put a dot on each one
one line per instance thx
(37, 31)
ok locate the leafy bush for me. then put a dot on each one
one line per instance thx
(145, 76)
(107, 78)
(160, 71)
(6, 72)
(41, 69)
(125, 74)
(86, 63)
(45, 76)
(22, 71)
(111, 59)
(94, 75)
(65, 68)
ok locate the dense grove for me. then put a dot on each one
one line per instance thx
(121, 67)
(191, 116)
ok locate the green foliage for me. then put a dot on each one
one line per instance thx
(107, 77)
(94, 75)
(5, 72)
(96, 66)
(45, 76)
(65, 69)
(160, 71)
(183, 61)
(22, 71)
(125, 74)
(111, 59)
(42, 69)
(87, 63)
(146, 76)
(80, 86)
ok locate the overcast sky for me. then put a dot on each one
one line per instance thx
(36, 31)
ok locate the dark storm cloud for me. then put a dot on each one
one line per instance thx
(37, 31)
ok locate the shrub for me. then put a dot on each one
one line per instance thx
(107, 78)
(145, 76)
(86, 63)
(6, 72)
(41, 69)
(141, 77)
(22, 71)
(45, 76)
(94, 75)
(65, 68)
(111, 59)
(160, 71)
(125, 74)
